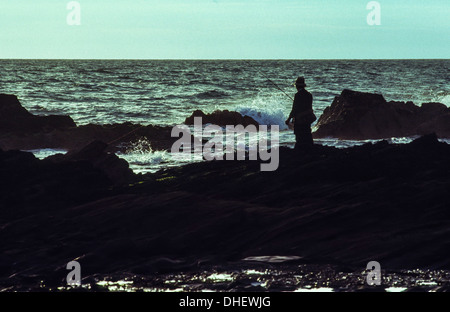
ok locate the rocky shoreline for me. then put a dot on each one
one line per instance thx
(343, 207)
(352, 116)
(21, 130)
(347, 207)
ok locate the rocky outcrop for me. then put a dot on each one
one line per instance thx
(19, 129)
(358, 115)
(117, 169)
(221, 118)
(29, 185)
(16, 119)
(116, 135)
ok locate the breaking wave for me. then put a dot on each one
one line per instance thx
(266, 111)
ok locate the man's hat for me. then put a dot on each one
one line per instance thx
(300, 82)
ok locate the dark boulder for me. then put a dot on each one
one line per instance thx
(14, 118)
(19, 129)
(29, 184)
(11, 107)
(117, 169)
(359, 115)
(221, 118)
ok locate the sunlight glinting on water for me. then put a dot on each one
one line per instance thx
(321, 289)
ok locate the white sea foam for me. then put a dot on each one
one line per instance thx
(46, 152)
(266, 110)
(445, 100)
(142, 158)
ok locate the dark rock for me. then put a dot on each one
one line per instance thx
(117, 169)
(115, 135)
(90, 152)
(346, 207)
(221, 118)
(10, 107)
(360, 116)
(22, 130)
(28, 184)
(118, 137)
(425, 141)
(16, 119)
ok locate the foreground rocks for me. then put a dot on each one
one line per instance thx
(380, 202)
(95, 153)
(358, 116)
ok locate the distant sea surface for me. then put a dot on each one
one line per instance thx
(165, 92)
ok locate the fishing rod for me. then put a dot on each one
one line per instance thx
(270, 80)
(139, 126)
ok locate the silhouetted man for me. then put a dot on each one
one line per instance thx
(303, 115)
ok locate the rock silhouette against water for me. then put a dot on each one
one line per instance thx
(22, 130)
(352, 115)
(221, 118)
(358, 116)
(16, 119)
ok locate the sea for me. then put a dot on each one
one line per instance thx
(165, 92)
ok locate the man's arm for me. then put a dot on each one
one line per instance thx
(309, 110)
(292, 114)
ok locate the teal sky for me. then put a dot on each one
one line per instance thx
(225, 29)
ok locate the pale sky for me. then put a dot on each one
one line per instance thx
(225, 29)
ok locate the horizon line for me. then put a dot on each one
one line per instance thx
(225, 59)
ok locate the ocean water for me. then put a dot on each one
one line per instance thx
(165, 92)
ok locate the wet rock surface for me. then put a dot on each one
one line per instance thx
(266, 277)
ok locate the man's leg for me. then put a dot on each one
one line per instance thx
(303, 136)
(297, 140)
(308, 136)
